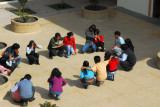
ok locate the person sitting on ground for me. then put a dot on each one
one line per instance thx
(118, 42)
(98, 40)
(69, 42)
(90, 37)
(129, 44)
(54, 45)
(32, 56)
(4, 70)
(127, 59)
(111, 67)
(26, 89)
(100, 69)
(14, 51)
(7, 61)
(56, 82)
(87, 76)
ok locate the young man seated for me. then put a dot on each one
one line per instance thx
(54, 46)
(100, 69)
(25, 86)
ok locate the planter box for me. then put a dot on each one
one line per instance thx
(4, 88)
(19, 27)
(95, 15)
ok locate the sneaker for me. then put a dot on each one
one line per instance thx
(100, 83)
(85, 86)
(24, 103)
(57, 98)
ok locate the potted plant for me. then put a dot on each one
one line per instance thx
(24, 23)
(94, 10)
(47, 104)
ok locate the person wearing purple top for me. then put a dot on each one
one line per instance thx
(56, 82)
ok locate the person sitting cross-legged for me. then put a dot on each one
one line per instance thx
(87, 76)
(56, 82)
(54, 46)
(70, 45)
(90, 37)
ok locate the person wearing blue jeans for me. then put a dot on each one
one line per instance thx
(90, 37)
(54, 92)
(86, 46)
(110, 75)
(69, 50)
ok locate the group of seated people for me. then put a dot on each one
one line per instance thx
(122, 53)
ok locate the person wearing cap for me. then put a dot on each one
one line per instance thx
(70, 45)
(14, 51)
(32, 56)
(54, 46)
(90, 37)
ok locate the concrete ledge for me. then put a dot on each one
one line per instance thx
(158, 60)
(95, 15)
(4, 88)
(25, 27)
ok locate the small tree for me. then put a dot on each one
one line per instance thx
(22, 3)
(94, 3)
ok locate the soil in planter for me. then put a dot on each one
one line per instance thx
(93, 8)
(28, 11)
(31, 19)
(59, 6)
(3, 80)
(2, 45)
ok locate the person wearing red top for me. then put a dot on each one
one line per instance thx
(69, 42)
(111, 67)
(98, 40)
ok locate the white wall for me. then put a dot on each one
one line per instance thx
(140, 6)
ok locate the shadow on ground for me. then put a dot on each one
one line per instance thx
(25, 60)
(152, 63)
(8, 27)
(77, 83)
(9, 98)
(43, 92)
(44, 53)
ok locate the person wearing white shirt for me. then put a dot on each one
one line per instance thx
(31, 54)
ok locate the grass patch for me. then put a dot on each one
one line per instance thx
(59, 6)
(27, 11)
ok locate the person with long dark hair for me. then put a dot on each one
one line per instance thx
(56, 82)
(14, 51)
(98, 40)
(32, 56)
(87, 76)
(129, 44)
(127, 59)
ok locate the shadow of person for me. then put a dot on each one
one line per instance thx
(44, 53)
(43, 92)
(25, 60)
(79, 47)
(152, 63)
(9, 98)
(77, 83)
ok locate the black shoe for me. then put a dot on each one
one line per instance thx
(24, 103)
(102, 50)
(37, 63)
(85, 86)
(32, 99)
(50, 57)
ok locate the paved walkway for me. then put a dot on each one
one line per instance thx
(138, 88)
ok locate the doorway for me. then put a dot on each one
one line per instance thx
(156, 9)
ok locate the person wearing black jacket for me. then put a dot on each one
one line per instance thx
(127, 59)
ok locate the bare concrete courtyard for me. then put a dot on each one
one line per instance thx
(137, 88)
